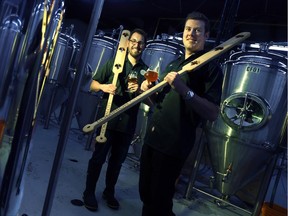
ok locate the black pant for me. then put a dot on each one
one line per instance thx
(158, 174)
(119, 144)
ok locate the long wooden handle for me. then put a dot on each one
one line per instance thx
(197, 63)
(117, 68)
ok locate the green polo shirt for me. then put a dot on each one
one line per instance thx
(173, 125)
(126, 121)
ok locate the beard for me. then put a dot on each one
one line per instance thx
(135, 53)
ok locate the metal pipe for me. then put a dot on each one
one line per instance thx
(221, 200)
(51, 103)
(277, 180)
(67, 118)
(197, 155)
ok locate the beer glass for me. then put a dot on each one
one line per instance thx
(152, 72)
(132, 78)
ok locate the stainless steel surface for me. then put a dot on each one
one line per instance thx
(10, 36)
(86, 108)
(102, 49)
(36, 20)
(245, 136)
(63, 54)
(162, 50)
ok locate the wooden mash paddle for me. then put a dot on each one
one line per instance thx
(117, 68)
(197, 63)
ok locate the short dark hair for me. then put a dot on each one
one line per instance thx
(199, 16)
(139, 31)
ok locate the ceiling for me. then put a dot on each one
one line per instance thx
(265, 19)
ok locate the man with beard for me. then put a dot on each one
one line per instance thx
(120, 130)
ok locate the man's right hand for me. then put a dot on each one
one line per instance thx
(145, 85)
(108, 88)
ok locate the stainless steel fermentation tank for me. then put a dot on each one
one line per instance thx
(10, 37)
(61, 70)
(102, 49)
(244, 138)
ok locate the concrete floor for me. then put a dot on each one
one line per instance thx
(71, 180)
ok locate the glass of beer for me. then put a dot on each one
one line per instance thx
(152, 73)
(132, 78)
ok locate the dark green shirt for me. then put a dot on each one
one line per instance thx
(126, 121)
(173, 125)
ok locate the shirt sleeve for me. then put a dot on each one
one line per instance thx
(104, 74)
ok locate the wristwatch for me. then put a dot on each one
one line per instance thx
(189, 95)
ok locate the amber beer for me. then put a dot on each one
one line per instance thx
(151, 76)
(133, 80)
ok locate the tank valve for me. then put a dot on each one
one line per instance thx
(227, 174)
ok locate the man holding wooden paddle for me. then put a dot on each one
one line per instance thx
(116, 136)
(179, 108)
